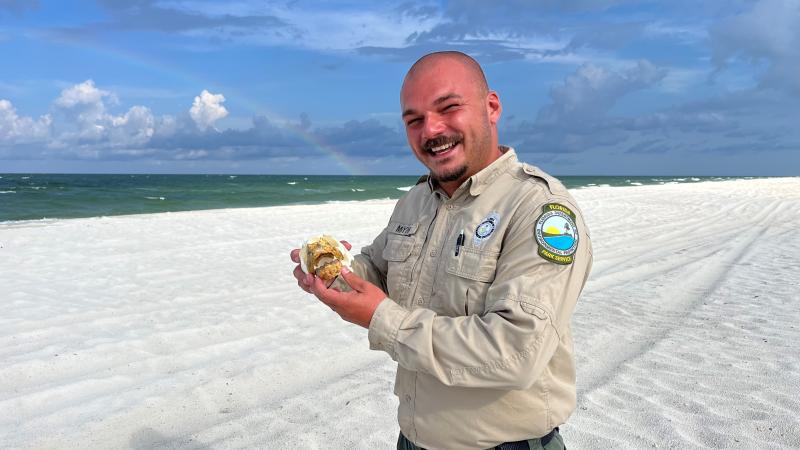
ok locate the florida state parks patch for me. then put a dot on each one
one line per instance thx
(556, 234)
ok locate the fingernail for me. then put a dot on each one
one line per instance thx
(309, 279)
(345, 269)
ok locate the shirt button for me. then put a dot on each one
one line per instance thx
(408, 398)
(420, 301)
(433, 253)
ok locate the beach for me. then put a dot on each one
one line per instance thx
(187, 330)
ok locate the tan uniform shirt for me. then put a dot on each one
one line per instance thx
(482, 339)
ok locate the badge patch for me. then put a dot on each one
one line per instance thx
(485, 228)
(556, 234)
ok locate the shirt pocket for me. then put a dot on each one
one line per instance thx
(469, 276)
(401, 240)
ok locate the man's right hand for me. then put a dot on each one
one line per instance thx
(305, 280)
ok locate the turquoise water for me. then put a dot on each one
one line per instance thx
(40, 196)
(560, 242)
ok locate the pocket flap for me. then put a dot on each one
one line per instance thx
(398, 248)
(478, 265)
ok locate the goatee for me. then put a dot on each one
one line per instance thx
(453, 175)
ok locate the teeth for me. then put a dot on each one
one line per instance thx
(443, 147)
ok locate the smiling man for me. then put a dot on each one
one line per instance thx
(471, 286)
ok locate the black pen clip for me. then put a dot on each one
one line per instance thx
(459, 241)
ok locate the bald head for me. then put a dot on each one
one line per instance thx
(451, 117)
(432, 61)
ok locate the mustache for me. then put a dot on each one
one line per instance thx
(438, 141)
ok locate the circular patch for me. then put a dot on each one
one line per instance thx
(485, 228)
(556, 234)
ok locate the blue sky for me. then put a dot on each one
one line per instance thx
(589, 87)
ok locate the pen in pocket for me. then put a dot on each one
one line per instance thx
(459, 241)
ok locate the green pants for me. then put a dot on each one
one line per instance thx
(552, 441)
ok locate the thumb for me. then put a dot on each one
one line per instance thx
(353, 280)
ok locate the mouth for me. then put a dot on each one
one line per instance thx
(444, 149)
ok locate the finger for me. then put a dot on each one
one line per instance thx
(303, 286)
(295, 255)
(354, 281)
(346, 245)
(300, 276)
(330, 297)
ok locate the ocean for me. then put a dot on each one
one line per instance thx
(59, 196)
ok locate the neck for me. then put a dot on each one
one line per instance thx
(450, 187)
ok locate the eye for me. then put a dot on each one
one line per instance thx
(450, 107)
(413, 121)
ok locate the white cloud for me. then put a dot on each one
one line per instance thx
(82, 94)
(136, 127)
(80, 117)
(16, 129)
(83, 106)
(207, 109)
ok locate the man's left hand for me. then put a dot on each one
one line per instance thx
(356, 306)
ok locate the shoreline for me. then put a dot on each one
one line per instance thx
(301, 204)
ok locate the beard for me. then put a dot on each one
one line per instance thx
(452, 175)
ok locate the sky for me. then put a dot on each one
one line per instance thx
(588, 87)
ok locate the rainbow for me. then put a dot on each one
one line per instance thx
(347, 164)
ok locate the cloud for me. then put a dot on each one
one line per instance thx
(579, 121)
(15, 129)
(84, 103)
(135, 127)
(592, 91)
(511, 30)
(82, 125)
(152, 16)
(207, 109)
(769, 33)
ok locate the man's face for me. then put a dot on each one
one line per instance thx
(449, 121)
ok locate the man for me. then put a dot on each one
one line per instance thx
(471, 285)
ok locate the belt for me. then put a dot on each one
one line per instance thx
(404, 444)
(525, 445)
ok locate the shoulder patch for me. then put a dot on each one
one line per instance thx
(556, 234)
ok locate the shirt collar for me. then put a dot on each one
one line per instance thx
(478, 182)
(481, 180)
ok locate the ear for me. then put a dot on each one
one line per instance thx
(493, 107)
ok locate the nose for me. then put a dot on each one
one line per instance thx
(433, 126)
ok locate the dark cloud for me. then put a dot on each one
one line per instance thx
(592, 91)
(769, 34)
(578, 121)
(503, 31)
(748, 123)
(149, 15)
(367, 138)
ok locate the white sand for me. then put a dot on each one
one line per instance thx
(186, 330)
